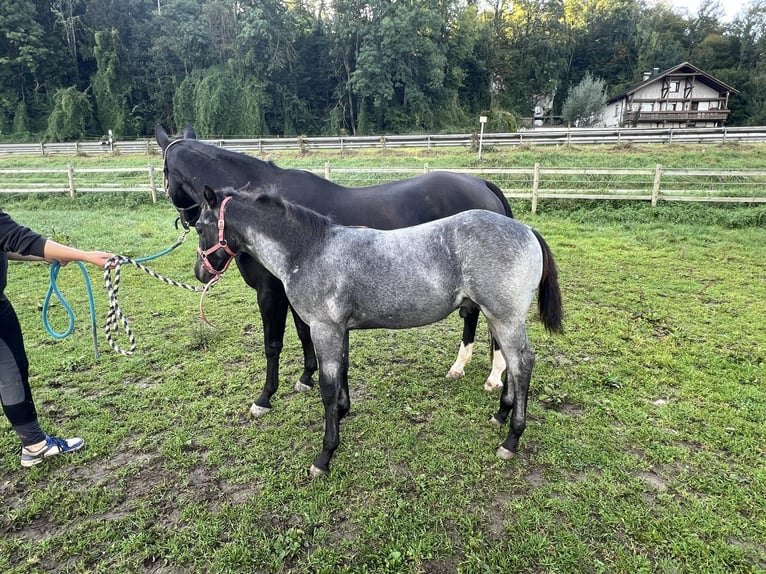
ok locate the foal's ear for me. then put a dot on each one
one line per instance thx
(189, 133)
(210, 196)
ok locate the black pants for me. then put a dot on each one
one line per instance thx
(15, 394)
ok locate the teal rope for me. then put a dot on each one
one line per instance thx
(54, 290)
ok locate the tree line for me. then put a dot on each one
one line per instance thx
(75, 69)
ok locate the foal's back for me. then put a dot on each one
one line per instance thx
(418, 275)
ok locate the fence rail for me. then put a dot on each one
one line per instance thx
(531, 183)
(537, 136)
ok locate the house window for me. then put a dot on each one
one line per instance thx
(616, 110)
(674, 85)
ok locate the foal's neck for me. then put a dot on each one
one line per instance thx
(277, 236)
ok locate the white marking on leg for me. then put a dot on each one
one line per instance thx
(316, 472)
(495, 378)
(257, 411)
(301, 388)
(457, 370)
(504, 453)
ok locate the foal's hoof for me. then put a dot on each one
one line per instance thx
(316, 472)
(302, 387)
(495, 421)
(258, 411)
(454, 373)
(491, 385)
(504, 453)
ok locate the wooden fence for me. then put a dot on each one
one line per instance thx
(531, 183)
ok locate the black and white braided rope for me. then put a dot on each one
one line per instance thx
(115, 314)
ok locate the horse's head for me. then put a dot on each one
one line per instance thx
(213, 252)
(181, 185)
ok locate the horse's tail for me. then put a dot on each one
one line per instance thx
(501, 196)
(548, 293)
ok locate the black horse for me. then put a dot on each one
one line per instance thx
(190, 165)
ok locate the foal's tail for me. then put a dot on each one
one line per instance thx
(548, 293)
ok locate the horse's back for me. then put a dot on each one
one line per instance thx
(409, 202)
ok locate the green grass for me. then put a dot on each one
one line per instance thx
(643, 453)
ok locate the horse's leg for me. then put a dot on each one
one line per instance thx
(306, 381)
(495, 378)
(470, 321)
(520, 360)
(331, 344)
(273, 304)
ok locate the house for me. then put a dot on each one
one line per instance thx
(681, 97)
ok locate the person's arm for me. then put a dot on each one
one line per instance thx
(19, 257)
(54, 251)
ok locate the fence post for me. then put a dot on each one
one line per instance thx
(152, 183)
(535, 186)
(426, 168)
(656, 186)
(70, 176)
(327, 170)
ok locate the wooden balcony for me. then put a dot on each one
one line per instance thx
(676, 116)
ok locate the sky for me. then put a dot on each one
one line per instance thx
(730, 7)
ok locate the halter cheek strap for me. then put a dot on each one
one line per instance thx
(220, 245)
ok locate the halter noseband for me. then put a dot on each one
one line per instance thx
(220, 245)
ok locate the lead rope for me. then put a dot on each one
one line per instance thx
(116, 315)
(53, 289)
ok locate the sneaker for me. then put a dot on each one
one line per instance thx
(52, 447)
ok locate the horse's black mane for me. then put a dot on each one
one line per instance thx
(214, 152)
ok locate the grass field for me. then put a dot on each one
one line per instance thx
(644, 450)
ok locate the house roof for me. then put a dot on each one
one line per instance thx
(685, 69)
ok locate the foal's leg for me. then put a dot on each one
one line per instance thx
(306, 381)
(520, 360)
(331, 344)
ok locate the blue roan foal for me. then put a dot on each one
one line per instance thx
(340, 278)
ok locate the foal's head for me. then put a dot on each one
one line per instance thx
(213, 252)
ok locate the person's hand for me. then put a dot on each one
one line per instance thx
(98, 258)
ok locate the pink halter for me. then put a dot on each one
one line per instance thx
(220, 245)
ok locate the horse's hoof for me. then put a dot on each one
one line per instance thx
(495, 421)
(504, 453)
(316, 472)
(302, 387)
(258, 411)
(491, 385)
(455, 374)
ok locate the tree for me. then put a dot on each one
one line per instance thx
(109, 83)
(23, 54)
(70, 114)
(219, 101)
(585, 101)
